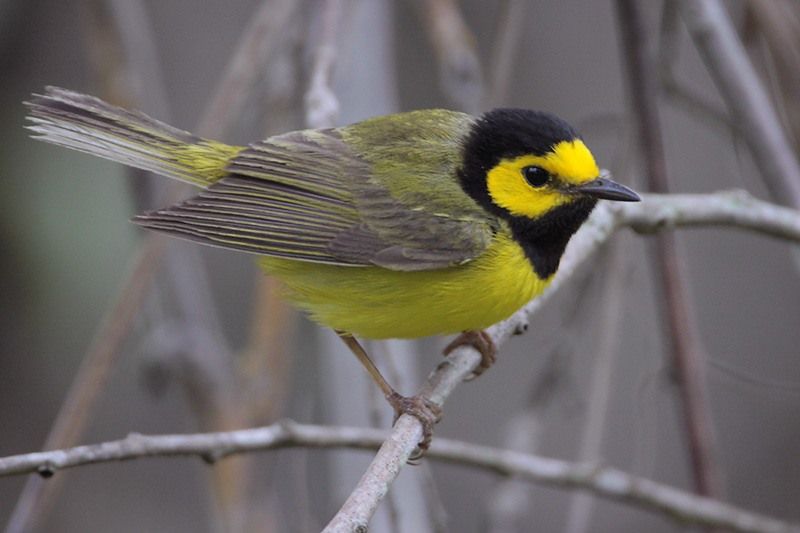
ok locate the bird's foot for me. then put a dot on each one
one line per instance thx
(481, 341)
(424, 410)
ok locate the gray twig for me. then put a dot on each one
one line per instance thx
(603, 481)
(233, 89)
(668, 48)
(737, 81)
(460, 74)
(257, 43)
(683, 335)
(655, 212)
(96, 366)
(601, 383)
(124, 60)
(507, 35)
(322, 106)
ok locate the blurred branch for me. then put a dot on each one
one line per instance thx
(233, 89)
(693, 103)
(365, 26)
(257, 43)
(656, 212)
(606, 482)
(199, 351)
(322, 106)
(778, 22)
(737, 81)
(120, 48)
(610, 318)
(89, 379)
(673, 89)
(688, 353)
(265, 361)
(721, 208)
(433, 497)
(262, 368)
(460, 75)
(507, 35)
(508, 510)
(508, 506)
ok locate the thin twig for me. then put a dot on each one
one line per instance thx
(509, 508)
(737, 81)
(656, 212)
(687, 351)
(734, 208)
(695, 105)
(603, 481)
(101, 357)
(716, 209)
(507, 35)
(126, 56)
(778, 22)
(257, 43)
(263, 367)
(668, 48)
(460, 75)
(601, 382)
(322, 106)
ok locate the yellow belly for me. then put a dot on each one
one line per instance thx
(377, 303)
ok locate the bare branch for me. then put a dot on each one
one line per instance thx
(322, 106)
(668, 48)
(507, 35)
(460, 75)
(694, 104)
(778, 21)
(233, 89)
(609, 483)
(258, 41)
(92, 374)
(682, 333)
(604, 361)
(726, 59)
(735, 209)
(605, 482)
(112, 48)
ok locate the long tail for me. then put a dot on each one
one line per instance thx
(90, 125)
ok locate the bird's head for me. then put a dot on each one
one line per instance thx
(521, 164)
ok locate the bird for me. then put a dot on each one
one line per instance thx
(420, 223)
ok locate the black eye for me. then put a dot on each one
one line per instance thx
(536, 176)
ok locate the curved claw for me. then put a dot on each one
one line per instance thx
(424, 410)
(481, 341)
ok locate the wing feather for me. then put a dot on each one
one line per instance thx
(309, 196)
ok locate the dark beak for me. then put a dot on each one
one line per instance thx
(606, 189)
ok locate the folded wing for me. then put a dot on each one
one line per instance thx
(307, 196)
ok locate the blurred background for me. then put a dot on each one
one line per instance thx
(208, 346)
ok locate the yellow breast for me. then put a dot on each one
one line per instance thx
(377, 303)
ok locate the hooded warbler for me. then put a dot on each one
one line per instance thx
(401, 226)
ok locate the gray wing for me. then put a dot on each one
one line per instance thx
(307, 196)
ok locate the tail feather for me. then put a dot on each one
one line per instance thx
(90, 125)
